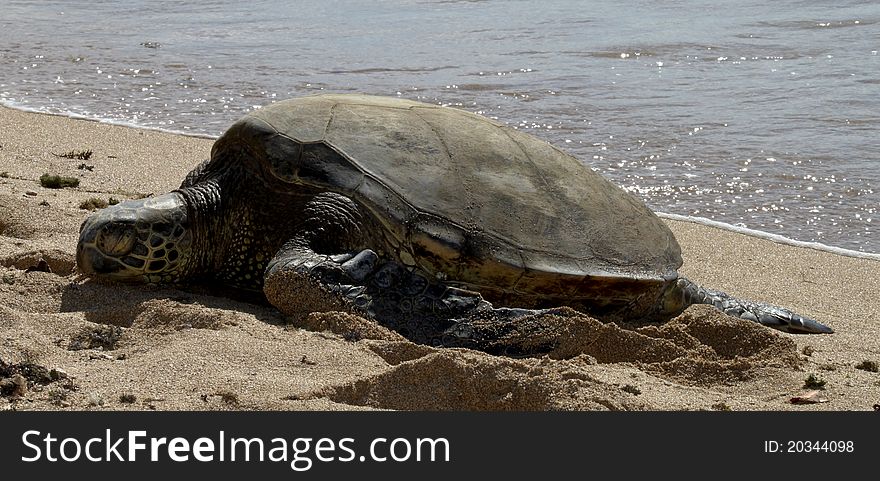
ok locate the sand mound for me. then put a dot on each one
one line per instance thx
(396, 352)
(702, 346)
(721, 349)
(452, 379)
(349, 326)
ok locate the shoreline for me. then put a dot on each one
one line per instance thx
(184, 347)
(775, 238)
(74, 116)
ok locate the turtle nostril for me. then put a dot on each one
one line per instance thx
(116, 239)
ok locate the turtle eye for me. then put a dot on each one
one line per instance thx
(116, 239)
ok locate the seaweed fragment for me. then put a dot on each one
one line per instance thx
(76, 154)
(57, 181)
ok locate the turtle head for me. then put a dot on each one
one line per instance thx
(147, 240)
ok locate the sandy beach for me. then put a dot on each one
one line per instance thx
(72, 344)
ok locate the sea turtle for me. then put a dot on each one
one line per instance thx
(424, 218)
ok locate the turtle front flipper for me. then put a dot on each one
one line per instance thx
(326, 268)
(300, 281)
(766, 314)
(323, 268)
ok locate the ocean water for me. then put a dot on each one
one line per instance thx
(764, 115)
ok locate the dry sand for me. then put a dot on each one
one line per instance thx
(72, 344)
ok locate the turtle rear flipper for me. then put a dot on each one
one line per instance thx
(766, 314)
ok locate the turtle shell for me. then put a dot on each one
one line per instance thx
(465, 198)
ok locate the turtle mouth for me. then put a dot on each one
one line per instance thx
(140, 241)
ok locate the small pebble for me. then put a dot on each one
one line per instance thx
(20, 383)
(30, 193)
(810, 397)
(95, 399)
